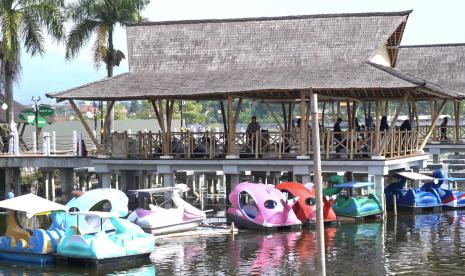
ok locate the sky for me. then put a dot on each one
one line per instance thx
(431, 22)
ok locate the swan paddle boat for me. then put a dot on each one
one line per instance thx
(412, 198)
(353, 201)
(173, 215)
(36, 244)
(262, 207)
(103, 199)
(443, 185)
(124, 242)
(305, 206)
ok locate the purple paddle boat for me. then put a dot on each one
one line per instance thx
(262, 207)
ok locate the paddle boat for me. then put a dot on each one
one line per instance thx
(125, 242)
(305, 206)
(32, 245)
(173, 215)
(412, 198)
(262, 207)
(352, 200)
(103, 199)
(443, 185)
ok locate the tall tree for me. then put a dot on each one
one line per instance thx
(22, 23)
(101, 17)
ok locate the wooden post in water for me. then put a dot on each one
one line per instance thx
(394, 202)
(320, 236)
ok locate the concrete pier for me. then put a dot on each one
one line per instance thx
(67, 182)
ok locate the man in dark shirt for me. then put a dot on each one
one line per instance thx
(252, 129)
(444, 128)
(253, 126)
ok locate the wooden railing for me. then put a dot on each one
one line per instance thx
(443, 134)
(264, 144)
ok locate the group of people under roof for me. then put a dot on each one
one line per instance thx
(254, 127)
(384, 126)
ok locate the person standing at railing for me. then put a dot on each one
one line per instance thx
(338, 134)
(405, 126)
(252, 129)
(369, 122)
(444, 128)
(384, 126)
(5, 132)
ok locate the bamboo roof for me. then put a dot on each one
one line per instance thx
(443, 64)
(265, 58)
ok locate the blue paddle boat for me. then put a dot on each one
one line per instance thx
(354, 201)
(124, 242)
(443, 185)
(412, 198)
(35, 244)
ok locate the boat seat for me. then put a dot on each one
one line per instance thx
(40, 242)
(21, 245)
(250, 210)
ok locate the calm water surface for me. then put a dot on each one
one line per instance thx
(430, 244)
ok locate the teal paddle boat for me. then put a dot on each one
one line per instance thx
(125, 242)
(354, 200)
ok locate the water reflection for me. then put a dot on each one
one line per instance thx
(425, 244)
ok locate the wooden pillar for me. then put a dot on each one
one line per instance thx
(349, 116)
(417, 118)
(107, 125)
(303, 125)
(275, 118)
(86, 126)
(223, 116)
(386, 108)
(160, 118)
(457, 121)
(333, 111)
(377, 126)
(393, 124)
(286, 127)
(354, 114)
(231, 128)
(318, 186)
(433, 124)
(433, 112)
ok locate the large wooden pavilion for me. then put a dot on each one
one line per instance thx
(443, 64)
(339, 57)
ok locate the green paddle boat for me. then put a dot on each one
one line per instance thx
(354, 200)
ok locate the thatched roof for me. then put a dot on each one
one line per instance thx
(261, 58)
(443, 64)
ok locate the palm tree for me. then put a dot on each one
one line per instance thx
(101, 17)
(24, 22)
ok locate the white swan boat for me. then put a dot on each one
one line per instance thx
(173, 215)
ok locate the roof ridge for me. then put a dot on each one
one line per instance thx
(432, 45)
(53, 94)
(289, 17)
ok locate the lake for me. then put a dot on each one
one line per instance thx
(426, 244)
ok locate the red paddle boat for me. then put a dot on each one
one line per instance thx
(305, 206)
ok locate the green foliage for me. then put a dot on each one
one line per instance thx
(100, 17)
(24, 22)
(121, 112)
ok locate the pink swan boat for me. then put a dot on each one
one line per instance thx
(260, 206)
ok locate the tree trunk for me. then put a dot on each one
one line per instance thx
(110, 66)
(9, 74)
